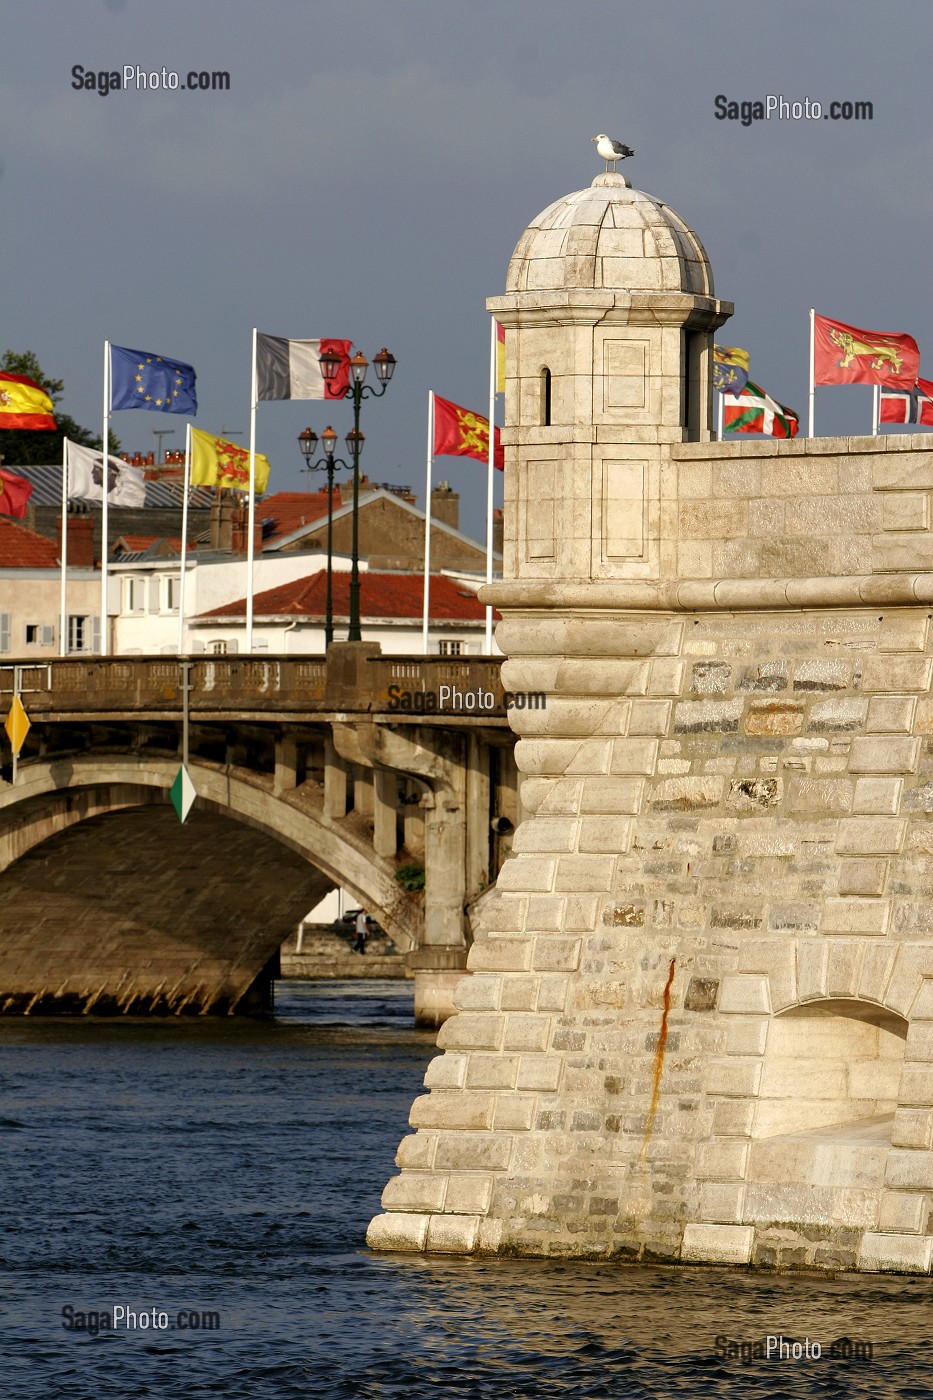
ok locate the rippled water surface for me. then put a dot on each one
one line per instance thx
(232, 1168)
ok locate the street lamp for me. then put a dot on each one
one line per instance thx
(307, 441)
(358, 391)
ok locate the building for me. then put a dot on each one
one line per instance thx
(31, 592)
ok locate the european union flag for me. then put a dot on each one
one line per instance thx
(139, 380)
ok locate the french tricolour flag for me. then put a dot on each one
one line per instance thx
(291, 369)
(908, 405)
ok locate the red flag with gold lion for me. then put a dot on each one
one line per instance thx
(460, 433)
(846, 355)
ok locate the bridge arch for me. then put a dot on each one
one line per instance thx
(266, 858)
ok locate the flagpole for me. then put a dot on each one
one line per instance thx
(63, 610)
(251, 519)
(105, 489)
(184, 542)
(719, 415)
(875, 408)
(812, 385)
(493, 348)
(427, 525)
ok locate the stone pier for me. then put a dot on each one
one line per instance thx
(699, 1023)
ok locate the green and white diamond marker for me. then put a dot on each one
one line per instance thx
(182, 793)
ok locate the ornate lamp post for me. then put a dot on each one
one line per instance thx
(357, 390)
(307, 441)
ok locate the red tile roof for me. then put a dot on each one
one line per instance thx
(138, 544)
(289, 510)
(381, 595)
(22, 548)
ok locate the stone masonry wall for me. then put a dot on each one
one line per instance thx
(728, 817)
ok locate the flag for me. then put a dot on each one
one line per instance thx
(754, 411)
(500, 359)
(845, 355)
(216, 462)
(908, 405)
(730, 368)
(291, 369)
(141, 380)
(24, 404)
(14, 495)
(460, 433)
(126, 485)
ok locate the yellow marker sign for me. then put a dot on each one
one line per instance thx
(17, 725)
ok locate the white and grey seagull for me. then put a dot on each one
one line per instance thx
(611, 150)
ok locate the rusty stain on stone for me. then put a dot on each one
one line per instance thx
(659, 1059)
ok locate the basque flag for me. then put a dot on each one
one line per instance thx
(908, 405)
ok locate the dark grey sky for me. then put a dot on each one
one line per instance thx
(370, 169)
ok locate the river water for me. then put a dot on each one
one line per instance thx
(223, 1174)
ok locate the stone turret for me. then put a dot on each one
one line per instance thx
(699, 1023)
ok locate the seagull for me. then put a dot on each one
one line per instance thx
(611, 150)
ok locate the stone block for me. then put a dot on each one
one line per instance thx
(913, 1128)
(822, 675)
(541, 1073)
(919, 1044)
(604, 834)
(812, 961)
(496, 954)
(515, 1113)
(717, 1244)
(745, 995)
(877, 966)
(916, 1088)
(894, 672)
(707, 717)
(449, 1109)
(889, 754)
(415, 1191)
(468, 1195)
(580, 913)
(545, 834)
(710, 678)
(492, 1071)
(398, 1233)
(734, 1078)
(922, 1008)
(897, 1254)
(722, 1201)
(553, 990)
(856, 916)
(745, 1036)
(473, 1152)
(823, 795)
(862, 877)
(472, 1030)
(666, 676)
(837, 716)
(446, 1071)
(891, 714)
(907, 510)
(879, 797)
(903, 1212)
(611, 796)
(904, 631)
(545, 914)
(724, 1159)
(519, 993)
(452, 1234)
(632, 756)
(869, 836)
(686, 794)
(584, 873)
(416, 1152)
(526, 1032)
(556, 954)
(774, 718)
(527, 873)
(909, 1168)
(478, 993)
(733, 1117)
(649, 718)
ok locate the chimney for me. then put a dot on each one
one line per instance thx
(346, 489)
(80, 536)
(497, 531)
(445, 505)
(239, 533)
(222, 512)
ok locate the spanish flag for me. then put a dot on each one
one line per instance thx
(24, 404)
(216, 462)
(460, 433)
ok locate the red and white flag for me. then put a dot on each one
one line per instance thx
(291, 369)
(908, 405)
(846, 355)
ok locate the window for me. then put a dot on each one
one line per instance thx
(173, 592)
(83, 634)
(451, 648)
(4, 631)
(225, 648)
(32, 634)
(39, 636)
(135, 595)
(546, 397)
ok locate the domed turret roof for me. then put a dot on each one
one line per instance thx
(611, 237)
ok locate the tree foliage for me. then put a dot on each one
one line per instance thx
(29, 447)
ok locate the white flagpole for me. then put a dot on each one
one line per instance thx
(251, 519)
(812, 401)
(184, 542)
(493, 357)
(427, 525)
(719, 414)
(63, 609)
(105, 484)
(875, 408)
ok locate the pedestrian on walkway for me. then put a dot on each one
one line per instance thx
(361, 932)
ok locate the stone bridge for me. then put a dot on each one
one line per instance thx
(311, 772)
